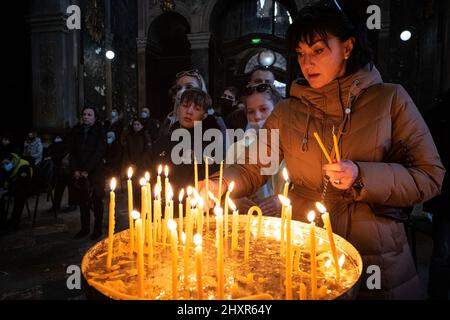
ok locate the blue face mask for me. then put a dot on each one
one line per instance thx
(8, 166)
(109, 140)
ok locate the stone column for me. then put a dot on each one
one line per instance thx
(200, 53)
(54, 72)
(142, 72)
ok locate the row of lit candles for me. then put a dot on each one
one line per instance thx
(152, 230)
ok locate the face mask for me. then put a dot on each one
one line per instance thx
(58, 139)
(226, 106)
(8, 166)
(114, 114)
(144, 115)
(109, 140)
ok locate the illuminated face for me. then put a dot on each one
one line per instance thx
(262, 76)
(321, 64)
(88, 117)
(189, 113)
(259, 107)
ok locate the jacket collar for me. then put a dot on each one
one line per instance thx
(333, 98)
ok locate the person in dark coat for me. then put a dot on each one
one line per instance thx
(150, 125)
(87, 149)
(193, 111)
(137, 145)
(15, 182)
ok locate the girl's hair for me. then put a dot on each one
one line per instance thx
(338, 19)
(197, 97)
(273, 93)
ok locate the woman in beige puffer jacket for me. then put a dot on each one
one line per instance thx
(389, 160)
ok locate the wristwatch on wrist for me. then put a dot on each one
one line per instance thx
(358, 184)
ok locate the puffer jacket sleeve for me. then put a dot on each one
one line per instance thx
(396, 184)
(261, 161)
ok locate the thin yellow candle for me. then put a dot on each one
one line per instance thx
(302, 291)
(336, 148)
(247, 230)
(186, 263)
(192, 217)
(130, 209)
(180, 212)
(327, 224)
(227, 198)
(286, 182)
(200, 206)
(195, 173)
(206, 184)
(325, 152)
(143, 184)
(288, 265)
(149, 195)
(234, 225)
(112, 222)
(157, 213)
(198, 264)
(188, 205)
(149, 235)
(283, 224)
(140, 253)
(166, 180)
(312, 247)
(220, 268)
(172, 226)
(219, 194)
(149, 223)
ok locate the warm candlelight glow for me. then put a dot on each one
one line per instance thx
(130, 172)
(169, 192)
(285, 174)
(320, 207)
(284, 201)
(341, 261)
(113, 184)
(142, 182)
(183, 238)
(147, 176)
(327, 264)
(231, 187)
(212, 197)
(157, 192)
(193, 202)
(231, 204)
(172, 225)
(311, 216)
(197, 239)
(160, 169)
(189, 191)
(166, 171)
(181, 195)
(135, 215)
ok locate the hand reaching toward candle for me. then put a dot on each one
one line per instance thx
(270, 206)
(213, 187)
(342, 174)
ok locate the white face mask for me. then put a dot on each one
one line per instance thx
(144, 115)
(109, 140)
(114, 114)
(58, 139)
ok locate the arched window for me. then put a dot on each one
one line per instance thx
(255, 16)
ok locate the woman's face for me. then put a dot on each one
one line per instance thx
(137, 126)
(88, 117)
(259, 107)
(321, 64)
(189, 113)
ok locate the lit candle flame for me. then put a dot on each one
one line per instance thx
(231, 204)
(196, 194)
(113, 184)
(231, 187)
(147, 176)
(160, 168)
(142, 182)
(341, 261)
(169, 192)
(181, 195)
(327, 264)
(172, 225)
(321, 207)
(320, 241)
(166, 170)
(212, 197)
(285, 175)
(183, 237)
(157, 191)
(197, 240)
(200, 203)
(135, 215)
(193, 202)
(311, 216)
(218, 211)
(284, 201)
(189, 191)
(130, 172)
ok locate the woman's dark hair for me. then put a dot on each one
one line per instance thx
(198, 97)
(339, 19)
